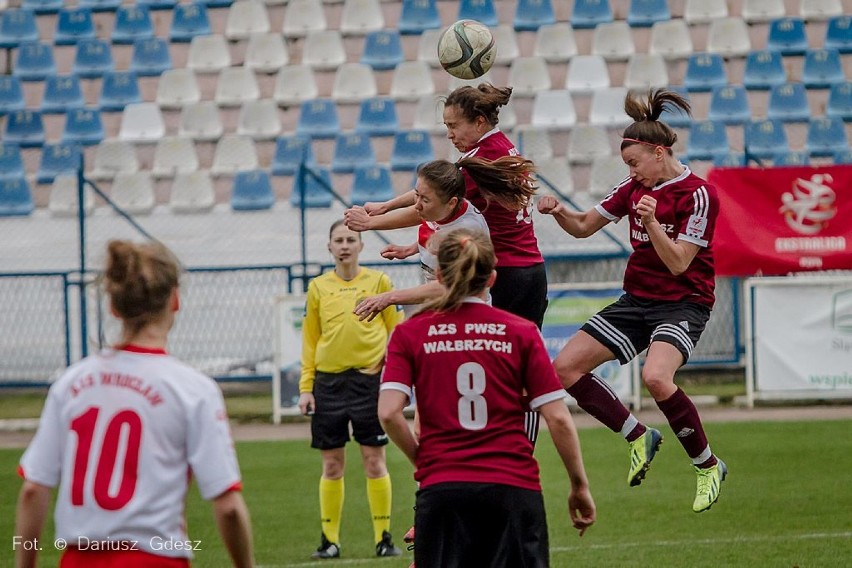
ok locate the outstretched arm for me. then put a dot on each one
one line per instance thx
(370, 307)
(581, 506)
(358, 219)
(398, 202)
(575, 223)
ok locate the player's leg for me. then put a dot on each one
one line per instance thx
(672, 343)
(522, 290)
(329, 434)
(367, 431)
(616, 332)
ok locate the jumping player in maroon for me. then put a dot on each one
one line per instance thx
(480, 501)
(668, 287)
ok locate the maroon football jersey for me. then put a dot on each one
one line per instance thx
(512, 232)
(470, 368)
(687, 207)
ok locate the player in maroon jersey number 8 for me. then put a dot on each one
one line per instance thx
(480, 501)
(668, 287)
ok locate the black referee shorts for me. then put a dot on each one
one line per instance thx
(341, 399)
(628, 326)
(487, 525)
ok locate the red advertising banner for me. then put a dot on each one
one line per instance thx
(780, 220)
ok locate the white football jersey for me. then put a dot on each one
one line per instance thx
(121, 433)
(466, 217)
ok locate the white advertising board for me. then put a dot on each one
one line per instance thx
(799, 337)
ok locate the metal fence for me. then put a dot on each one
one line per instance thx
(236, 264)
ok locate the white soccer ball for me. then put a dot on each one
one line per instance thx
(466, 49)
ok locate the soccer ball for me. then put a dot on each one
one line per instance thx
(466, 49)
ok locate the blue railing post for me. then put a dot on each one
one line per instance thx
(81, 221)
(300, 184)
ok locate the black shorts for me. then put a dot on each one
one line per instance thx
(473, 525)
(628, 326)
(342, 398)
(521, 290)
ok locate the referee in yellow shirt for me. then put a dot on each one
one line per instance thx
(342, 359)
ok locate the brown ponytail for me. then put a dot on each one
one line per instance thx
(507, 180)
(139, 279)
(483, 100)
(647, 127)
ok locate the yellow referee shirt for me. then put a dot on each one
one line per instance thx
(333, 339)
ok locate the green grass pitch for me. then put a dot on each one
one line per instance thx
(787, 502)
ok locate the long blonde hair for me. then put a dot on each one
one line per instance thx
(465, 263)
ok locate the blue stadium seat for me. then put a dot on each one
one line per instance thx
(377, 117)
(315, 192)
(765, 138)
(11, 94)
(158, 4)
(42, 6)
(371, 183)
(383, 50)
(11, 163)
(589, 13)
(16, 200)
(418, 16)
(480, 10)
(34, 62)
(100, 5)
(730, 160)
(188, 21)
(150, 57)
(17, 27)
(764, 70)
(289, 152)
(838, 34)
(72, 25)
(532, 14)
(705, 71)
(787, 36)
(410, 149)
(83, 126)
(58, 159)
(131, 23)
(252, 191)
(677, 118)
(24, 128)
(822, 69)
(93, 59)
(644, 13)
(217, 3)
(840, 102)
(318, 119)
(351, 150)
(729, 104)
(825, 136)
(791, 159)
(842, 156)
(707, 140)
(118, 89)
(61, 93)
(789, 103)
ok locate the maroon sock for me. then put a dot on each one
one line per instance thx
(595, 397)
(686, 424)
